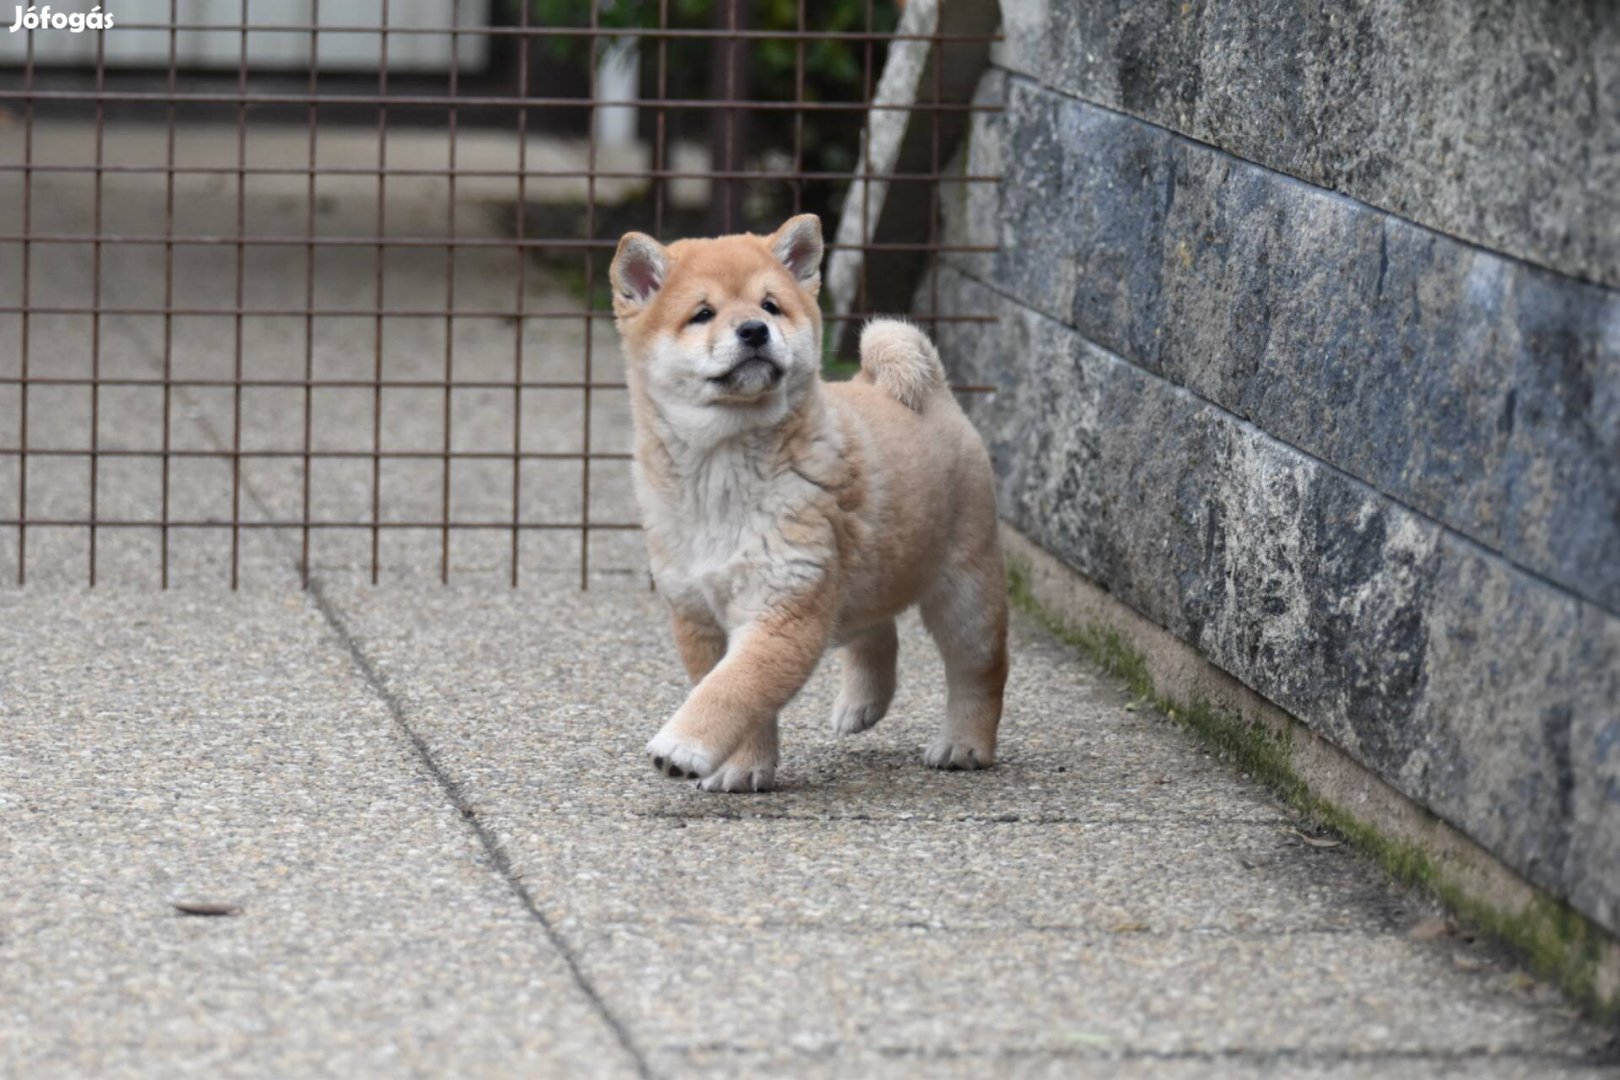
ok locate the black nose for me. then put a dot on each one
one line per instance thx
(754, 333)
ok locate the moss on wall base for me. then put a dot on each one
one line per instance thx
(1313, 778)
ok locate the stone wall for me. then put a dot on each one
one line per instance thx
(1309, 351)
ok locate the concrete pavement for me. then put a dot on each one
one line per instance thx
(430, 807)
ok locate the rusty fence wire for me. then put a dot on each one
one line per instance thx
(321, 288)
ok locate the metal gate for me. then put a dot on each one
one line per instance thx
(292, 288)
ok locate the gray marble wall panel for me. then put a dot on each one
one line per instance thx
(1472, 387)
(1493, 120)
(1477, 688)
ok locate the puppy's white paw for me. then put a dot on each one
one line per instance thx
(945, 753)
(729, 777)
(853, 718)
(682, 758)
(751, 767)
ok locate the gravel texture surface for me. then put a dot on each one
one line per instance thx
(447, 856)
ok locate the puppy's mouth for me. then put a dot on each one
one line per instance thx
(749, 376)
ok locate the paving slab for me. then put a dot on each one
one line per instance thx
(837, 1061)
(930, 994)
(1106, 900)
(221, 749)
(571, 680)
(866, 874)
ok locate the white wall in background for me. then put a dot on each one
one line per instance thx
(129, 47)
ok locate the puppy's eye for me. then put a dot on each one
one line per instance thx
(771, 308)
(703, 315)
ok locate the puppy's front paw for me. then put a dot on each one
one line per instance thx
(729, 777)
(956, 754)
(851, 718)
(751, 767)
(680, 757)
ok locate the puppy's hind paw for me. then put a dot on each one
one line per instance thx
(679, 758)
(851, 719)
(953, 754)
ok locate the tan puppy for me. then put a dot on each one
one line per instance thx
(784, 516)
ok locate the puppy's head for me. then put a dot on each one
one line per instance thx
(728, 325)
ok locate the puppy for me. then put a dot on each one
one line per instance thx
(784, 515)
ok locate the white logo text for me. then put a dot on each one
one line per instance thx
(43, 18)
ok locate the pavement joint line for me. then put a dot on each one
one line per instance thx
(1078, 931)
(733, 817)
(1104, 1049)
(499, 860)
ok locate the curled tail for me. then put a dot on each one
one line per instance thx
(900, 359)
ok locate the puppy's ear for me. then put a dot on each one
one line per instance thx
(798, 244)
(639, 268)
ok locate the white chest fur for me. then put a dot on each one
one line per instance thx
(732, 532)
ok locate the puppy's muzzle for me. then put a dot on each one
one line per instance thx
(749, 376)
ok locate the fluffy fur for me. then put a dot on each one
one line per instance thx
(784, 516)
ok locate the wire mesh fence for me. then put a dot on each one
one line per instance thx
(293, 288)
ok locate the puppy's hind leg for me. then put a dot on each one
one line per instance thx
(702, 644)
(868, 680)
(966, 612)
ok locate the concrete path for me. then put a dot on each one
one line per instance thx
(428, 809)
